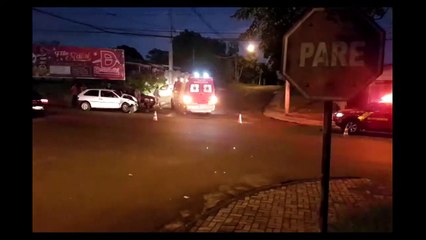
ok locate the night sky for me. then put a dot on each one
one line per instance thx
(150, 21)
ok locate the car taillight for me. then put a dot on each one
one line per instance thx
(213, 99)
(386, 99)
(45, 101)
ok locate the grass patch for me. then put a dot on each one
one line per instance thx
(249, 97)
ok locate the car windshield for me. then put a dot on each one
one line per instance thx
(127, 96)
(118, 92)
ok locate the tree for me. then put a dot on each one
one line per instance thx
(146, 82)
(158, 56)
(191, 51)
(232, 48)
(131, 54)
(247, 68)
(270, 24)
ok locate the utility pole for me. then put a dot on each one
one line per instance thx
(287, 97)
(171, 49)
(260, 76)
(193, 57)
(286, 100)
(236, 68)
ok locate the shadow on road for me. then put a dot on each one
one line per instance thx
(368, 134)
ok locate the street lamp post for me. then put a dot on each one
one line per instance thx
(251, 48)
(236, 68)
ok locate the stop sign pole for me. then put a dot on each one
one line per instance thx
(331, 55)
(325, 164)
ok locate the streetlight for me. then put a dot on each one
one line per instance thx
(251, 48)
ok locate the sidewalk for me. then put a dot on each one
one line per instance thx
(273, 110)
(294, 207)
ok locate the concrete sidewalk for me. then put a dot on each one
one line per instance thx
(275, 111)
(293, 207)
(299, 118)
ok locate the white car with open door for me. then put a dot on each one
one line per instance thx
(106, 99)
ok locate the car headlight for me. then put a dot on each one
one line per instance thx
(213, 100)
(339, 115)
(187, 99)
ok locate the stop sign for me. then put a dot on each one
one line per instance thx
(332, 54)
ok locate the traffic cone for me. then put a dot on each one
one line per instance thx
(346, 131)
(240, 119)
(155, 118)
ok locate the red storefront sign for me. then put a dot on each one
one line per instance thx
(77, 62)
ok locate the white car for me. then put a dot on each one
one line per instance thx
(106, 99)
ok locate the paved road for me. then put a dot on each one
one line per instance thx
(109, 171)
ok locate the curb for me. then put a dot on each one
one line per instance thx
(301, 121)
(223, 203)
(269, 111)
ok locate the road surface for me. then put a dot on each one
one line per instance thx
(109, 171)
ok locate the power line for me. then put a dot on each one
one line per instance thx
(205, 21)
(68, 19)
(168, 31)
(103, 32)
(121, 33)
(101, 29)
(114, 14)
(108, 29)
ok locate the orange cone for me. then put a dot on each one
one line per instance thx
(155, 118)
(346, 131)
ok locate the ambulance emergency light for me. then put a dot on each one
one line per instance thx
(198, 75)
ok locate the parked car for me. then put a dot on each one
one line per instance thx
(39, 103)
(375, 117)
(106, 99)
(147, 103)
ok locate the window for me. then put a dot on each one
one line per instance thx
(93, 93)
(118, 92)
(194, 88)
(207, 88)
(108, 94)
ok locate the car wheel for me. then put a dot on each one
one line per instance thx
(353, 127)
(125, 107)
(85, 106)
(132, 109)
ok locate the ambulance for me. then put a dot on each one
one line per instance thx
(195, 94)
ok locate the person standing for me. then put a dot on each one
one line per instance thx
(137, 94)
(157, 96)
(83, 87)
(74, 93)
